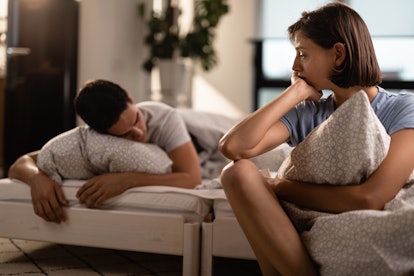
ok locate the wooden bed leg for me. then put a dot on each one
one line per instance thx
(206, 249)
(191, 249)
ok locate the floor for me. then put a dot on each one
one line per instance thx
(32, 258)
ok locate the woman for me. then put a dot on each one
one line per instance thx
(334, 51)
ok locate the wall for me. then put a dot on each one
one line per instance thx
(111, 47)
(110, 43)
(234, 75)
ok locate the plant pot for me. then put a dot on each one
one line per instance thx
(176, 81)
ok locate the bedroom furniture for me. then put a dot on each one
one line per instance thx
(223, 237)
(152, 219)
(197, 224)
(159, 220)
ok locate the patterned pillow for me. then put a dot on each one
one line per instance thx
(82, 153)
(345, 149)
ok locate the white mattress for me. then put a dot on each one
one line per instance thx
(195, 205)
(222, 208)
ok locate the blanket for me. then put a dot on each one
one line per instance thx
(206, 129)
(345, 150)
(363, 242)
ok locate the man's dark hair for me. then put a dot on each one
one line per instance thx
(100, 103)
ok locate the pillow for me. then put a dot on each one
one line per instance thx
(82, 153)
(344, 149)
(272, 159)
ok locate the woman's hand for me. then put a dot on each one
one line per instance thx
(274, 182)
(311, 92)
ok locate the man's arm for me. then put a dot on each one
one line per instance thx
(185, 174)
(381, 187)
(47, 195)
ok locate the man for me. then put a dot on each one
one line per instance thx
(109, 109)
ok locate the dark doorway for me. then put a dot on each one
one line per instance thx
(41, 70)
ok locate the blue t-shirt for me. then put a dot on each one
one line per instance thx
(394, 110)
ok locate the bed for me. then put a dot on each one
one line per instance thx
(148, 219)
(222, 237)
(156, 219)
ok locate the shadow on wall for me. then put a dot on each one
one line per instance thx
(208, 98)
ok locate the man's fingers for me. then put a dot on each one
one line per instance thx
(50, 212)
(92, 201)
(55, 210)
(61, 197)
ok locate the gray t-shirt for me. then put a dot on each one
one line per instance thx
(165, 127)
(395, 111)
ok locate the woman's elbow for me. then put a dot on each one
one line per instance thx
(228, 149)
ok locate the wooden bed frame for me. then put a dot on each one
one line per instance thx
(125, 230)
(223, 237)
(171, 233)
(161, 231)
(153, 231)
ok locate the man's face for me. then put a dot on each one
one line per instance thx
(130, 125)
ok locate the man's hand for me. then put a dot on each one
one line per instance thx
(48, 199)
(101, 188)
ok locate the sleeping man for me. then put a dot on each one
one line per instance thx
(108, 109)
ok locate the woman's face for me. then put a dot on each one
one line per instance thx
(313, 63)
(130, 125)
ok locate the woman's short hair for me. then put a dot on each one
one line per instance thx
(337, 22)
(100, 104)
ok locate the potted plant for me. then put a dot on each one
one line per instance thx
(167, 44)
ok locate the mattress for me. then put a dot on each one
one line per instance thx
(194, 205)
(222, 208)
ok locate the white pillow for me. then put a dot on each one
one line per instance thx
(82, 153)
(344, 149)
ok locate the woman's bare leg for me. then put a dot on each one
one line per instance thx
(273, 238)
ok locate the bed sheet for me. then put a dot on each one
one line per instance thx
(195, 205)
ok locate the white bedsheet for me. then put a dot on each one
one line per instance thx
(194, 204)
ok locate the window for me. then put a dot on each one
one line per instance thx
(390, 23)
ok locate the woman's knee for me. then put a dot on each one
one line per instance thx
(238, 172)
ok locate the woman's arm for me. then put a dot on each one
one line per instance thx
(381, 187)
(185, 174)
(262, 130)
(47, 195)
